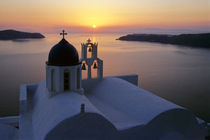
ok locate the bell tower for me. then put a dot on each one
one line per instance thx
(94, 61)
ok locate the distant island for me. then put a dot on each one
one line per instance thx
(193, 40)
(13, 34)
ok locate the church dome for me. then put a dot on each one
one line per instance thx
(63, 54)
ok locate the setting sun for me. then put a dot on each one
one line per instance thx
(94, 26)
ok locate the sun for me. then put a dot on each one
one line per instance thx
(94, 26)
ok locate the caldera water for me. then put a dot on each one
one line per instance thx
(177, 73)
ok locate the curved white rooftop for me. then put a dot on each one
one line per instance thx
(127, 107)
(49, 111)
(125, 104)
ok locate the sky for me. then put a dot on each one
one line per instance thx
(115, 15)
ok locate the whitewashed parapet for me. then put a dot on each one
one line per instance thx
(11, 120)
(132, 78)
(26, 94)
(23, 98)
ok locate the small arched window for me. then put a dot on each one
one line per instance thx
(52, 73)
(78, 78)
(66, 80)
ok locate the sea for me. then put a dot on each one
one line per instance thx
(179, 74)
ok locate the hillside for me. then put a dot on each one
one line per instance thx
(13, 34)
(193, 40)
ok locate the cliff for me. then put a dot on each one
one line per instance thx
(13, 34)
(193, 40)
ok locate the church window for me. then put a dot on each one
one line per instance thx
(78, 78)
(52, 80)
(66, 80)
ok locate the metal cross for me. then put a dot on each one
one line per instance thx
(63, 33)
(89, 40)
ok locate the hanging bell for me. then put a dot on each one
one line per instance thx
(95, 66)
(89, 49)
(83, 66)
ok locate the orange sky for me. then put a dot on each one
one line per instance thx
(43, 14)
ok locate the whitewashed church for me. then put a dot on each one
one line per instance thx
(65, 107)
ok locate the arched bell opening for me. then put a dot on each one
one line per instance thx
(94, 68)
(84, 69)
(89, 51)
